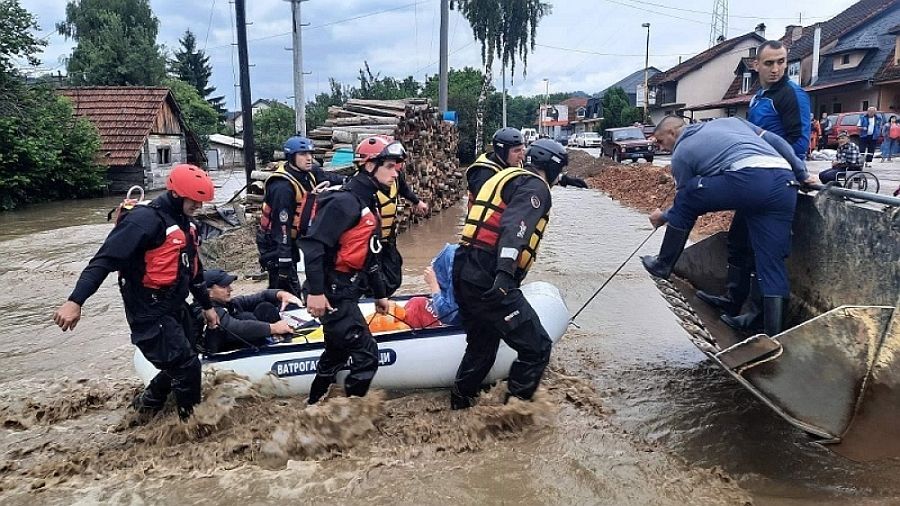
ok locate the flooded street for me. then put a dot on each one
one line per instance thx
(631, 412)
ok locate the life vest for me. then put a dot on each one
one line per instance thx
(356, 242)
(483, 161)
(482, 225)
(175, 258)
(387, 208)
(302, 213)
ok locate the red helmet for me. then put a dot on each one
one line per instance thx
(379, 147)
(191, 182)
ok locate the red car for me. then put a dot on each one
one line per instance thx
(627, 143)
(846, 122)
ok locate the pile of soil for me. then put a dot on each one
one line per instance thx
(643, 186)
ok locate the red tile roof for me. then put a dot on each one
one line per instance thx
(573, 104)
(123, 116)
(678, 71)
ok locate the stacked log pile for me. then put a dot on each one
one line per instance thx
(432, 171)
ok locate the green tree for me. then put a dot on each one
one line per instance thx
(47, 153)
(16, 39)
(617, 112)
(317, 110)
(463, 88)
(271, 127)
(192, 66)
(505, 28)
(115, 43)
(375, 87)
(199, 116)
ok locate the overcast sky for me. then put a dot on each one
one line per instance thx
(582, 45)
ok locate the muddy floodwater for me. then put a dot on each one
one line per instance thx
(630, 413)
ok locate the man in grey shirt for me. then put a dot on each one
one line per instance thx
(730, 164)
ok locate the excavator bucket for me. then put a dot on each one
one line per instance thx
(835, 371)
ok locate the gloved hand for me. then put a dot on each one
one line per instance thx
(503, 284)
(567, 180)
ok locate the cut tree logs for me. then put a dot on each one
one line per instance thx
(432, 170)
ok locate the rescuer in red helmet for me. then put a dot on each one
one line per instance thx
(155, 249)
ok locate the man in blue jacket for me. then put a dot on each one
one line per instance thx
(780, 107)
(869, 130)
(725, 164)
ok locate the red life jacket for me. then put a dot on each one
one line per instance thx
(302, 212)
(171, 258)
(356, 242)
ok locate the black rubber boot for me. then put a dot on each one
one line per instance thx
(673, 244)
(319, 388)
(459, 401)
(153, 398)
(773, 315)
(737, 286)
(752, 320)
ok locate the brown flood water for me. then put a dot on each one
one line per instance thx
(630, 412)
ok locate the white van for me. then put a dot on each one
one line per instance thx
(529, 134)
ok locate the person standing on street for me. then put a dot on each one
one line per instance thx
(155, 249)
(869, 129)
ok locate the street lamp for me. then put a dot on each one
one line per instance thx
(646, 71)
(546, 101)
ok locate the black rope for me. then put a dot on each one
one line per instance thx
(641, 245)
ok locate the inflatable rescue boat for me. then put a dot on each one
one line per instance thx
(408, 359)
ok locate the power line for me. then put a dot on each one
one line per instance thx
(209, 24)
(332, 23)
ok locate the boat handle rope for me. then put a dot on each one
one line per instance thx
(641, 245)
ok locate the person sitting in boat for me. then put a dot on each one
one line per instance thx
(731, 164)
(439, 276)
(342, 247)
(497, 248)
(246, 320)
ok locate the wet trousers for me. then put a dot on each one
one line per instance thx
(764, 201)
(292, 282)
(163, 340)
(347, 337)
(487, 321)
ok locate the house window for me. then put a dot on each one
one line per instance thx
(865, 105)
(163, 155)
(752, 52)
(794, 72)
(845, 59)
(731, 112)
(579, 113)
(746, 82)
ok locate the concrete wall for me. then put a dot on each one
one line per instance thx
(851, 101)
(228, 156)
(710, 82)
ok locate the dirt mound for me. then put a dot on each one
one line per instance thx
(643, 186)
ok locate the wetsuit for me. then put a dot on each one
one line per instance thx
(390, 259)
(281, 222)
(243, 321)
(337, 252)
(501, 235)
(155, 249)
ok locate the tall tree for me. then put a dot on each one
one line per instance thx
(505, 28)
(192, 66)
(317, 110)
(617, 112)
(271, 127)
(374, 87)
(199, 116)
(462, 96)
(16, 39)
(115, 43)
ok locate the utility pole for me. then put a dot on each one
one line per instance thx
(646, 72)
(299, 97)
(444, 57)
(246, 105)
(504, 96)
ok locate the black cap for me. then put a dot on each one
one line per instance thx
(217, 277)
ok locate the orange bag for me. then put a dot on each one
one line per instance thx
(388, 322)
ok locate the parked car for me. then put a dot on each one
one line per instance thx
(530, 135)
(588, 140)
(846, 122)
(627, 143)
(563, 139)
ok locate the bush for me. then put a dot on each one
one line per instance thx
(45, 152)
